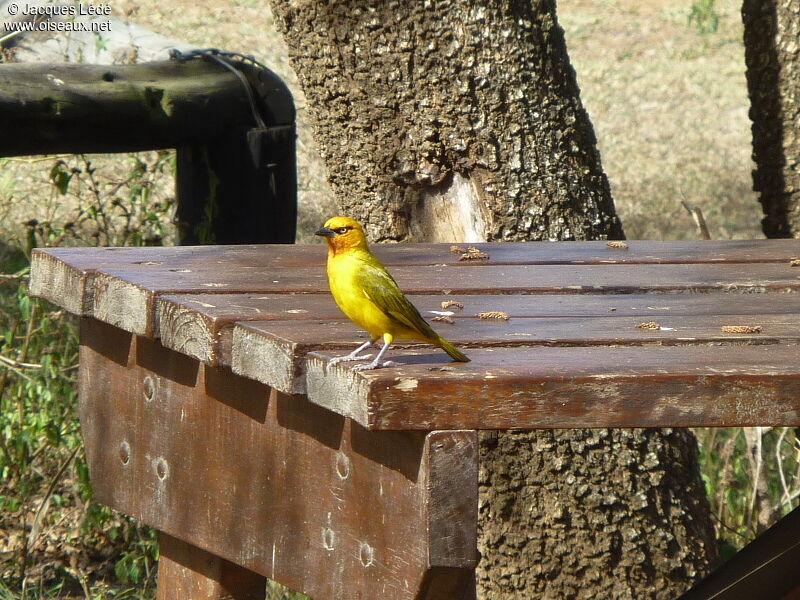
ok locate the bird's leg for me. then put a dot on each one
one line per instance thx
(354, 354)
(376, 364)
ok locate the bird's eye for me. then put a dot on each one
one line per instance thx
(342, 230)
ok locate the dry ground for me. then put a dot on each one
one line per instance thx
(669, 105)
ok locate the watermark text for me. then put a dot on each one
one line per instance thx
(58, 17)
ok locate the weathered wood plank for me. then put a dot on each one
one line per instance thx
(364, 506)
(447, 455)
(190, 573)
(274, 353)
(639, 252)
(65, 276)
(565, 279)
(117, 291)
(201, 325)
(61, 282)
(61, 108)
(75, 265)
(557, 387)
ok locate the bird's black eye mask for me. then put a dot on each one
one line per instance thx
(342, 230)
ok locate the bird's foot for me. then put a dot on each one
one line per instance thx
(375, 365)
(348, 358)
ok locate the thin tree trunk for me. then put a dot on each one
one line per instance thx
(772, 54)
(461, 121)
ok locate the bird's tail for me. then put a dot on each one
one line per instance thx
(454, 352)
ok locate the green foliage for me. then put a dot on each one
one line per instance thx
(100, 43)
(58, 540)
(752, 477)
(108, 208)
(276, 591)
(703, 14)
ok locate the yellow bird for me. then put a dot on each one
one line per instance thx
(370, 297)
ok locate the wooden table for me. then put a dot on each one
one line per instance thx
(210, 411)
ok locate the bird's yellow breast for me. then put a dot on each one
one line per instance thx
(353, 301)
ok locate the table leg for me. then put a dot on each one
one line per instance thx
(186, 572)
(271, 482)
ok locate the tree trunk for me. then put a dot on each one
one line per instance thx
(772, 54)
(417, 115)
(461, 121)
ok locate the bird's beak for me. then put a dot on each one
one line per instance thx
(325, 232)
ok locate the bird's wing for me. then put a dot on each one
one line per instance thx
(381, 288)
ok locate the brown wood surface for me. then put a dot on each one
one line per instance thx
(272, 483)
(639, 252)
(127, 298)
(186, 572)
(262, 309)
(568, 387)
(66, 275)
(284, 345)
(201, 325)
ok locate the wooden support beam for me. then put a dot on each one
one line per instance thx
(272, 483)
(186, 572)
(766, 568)
(236, 179)
(76, 108)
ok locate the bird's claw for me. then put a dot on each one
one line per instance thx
(366, 367)
(348, 358)
(374, 365)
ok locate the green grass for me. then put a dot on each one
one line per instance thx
(752, 478)
(55, 542)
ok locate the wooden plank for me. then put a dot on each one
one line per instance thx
(71, 108)
(427, 279)
(275, 352)
(271, 482)
(127, 298)
(190, 573)
(598, 252)
(572, 387)
(201, 325)
(61, 275)
(765, 568)
(557, 253)
(65, 275)
(58, 281)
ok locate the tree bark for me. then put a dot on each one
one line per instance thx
(461, 120)
(592, 513)
(425, 117)
(772, 54)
